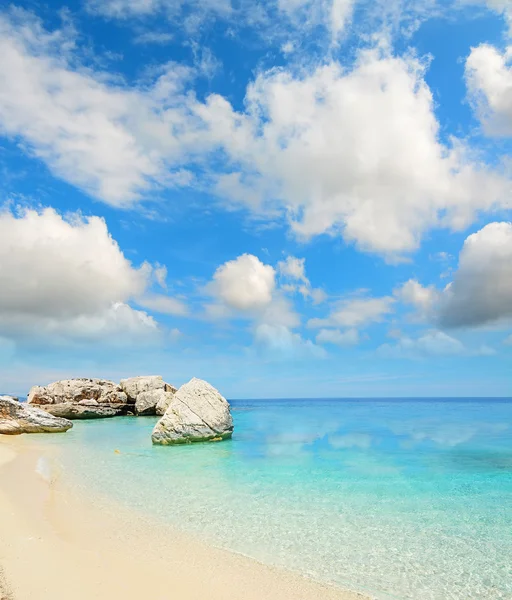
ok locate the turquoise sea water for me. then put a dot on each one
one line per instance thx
(408, 499)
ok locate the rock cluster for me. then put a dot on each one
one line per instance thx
(17, 417)
(196, 413)
(80, 398)
(146, 392)
(99, 398)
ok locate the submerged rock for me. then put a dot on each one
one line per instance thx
(17, 417)
(80, 398)
(196, 413)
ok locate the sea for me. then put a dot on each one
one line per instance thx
(407, 499)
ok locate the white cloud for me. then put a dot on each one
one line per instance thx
(281, 341)
(118, 324)
(328, 147)
(324, 147)
(481, 292)
(489, 81)
(357, 312)
(244, 284)
(113, 142)
(432, 343)
(508, 341)
(350, 337)
(163, 304)
(124, 9)
(503, 7)
(269, 18)
(293, 270)
(246, 288)
(423, 299)
(66, 277)
(153, 37)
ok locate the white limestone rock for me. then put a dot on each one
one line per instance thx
(80, 398)
(147, 402)
(17, 418)
(144, 383)
(164, 401)
(77, 390)
(196, 413)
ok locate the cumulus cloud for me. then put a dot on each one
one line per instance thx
(489, 81)
(246, 288)
(337, 337)
(323, 147)
(502, 7)
(356, 312)
(113, 142)
(66, 275)
(422, 298)
(481, 291)
(244, 284)
(330, 146)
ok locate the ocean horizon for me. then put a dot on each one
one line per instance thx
(399, 498)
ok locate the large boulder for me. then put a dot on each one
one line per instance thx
(146, 402)
(144, 383)
(164, 401)
(197, 413)
(17, 417)
(81, 398)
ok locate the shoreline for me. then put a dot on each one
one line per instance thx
(58, 545)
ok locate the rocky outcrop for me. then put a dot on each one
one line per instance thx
(146, 391)
(17, 417)
(196, 413)
(81, 399)
(144, 383)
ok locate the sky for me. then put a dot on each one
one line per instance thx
(287, 198)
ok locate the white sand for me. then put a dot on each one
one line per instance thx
(55, 545)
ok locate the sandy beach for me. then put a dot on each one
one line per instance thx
(55, 545)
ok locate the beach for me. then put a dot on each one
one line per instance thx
(58, 545)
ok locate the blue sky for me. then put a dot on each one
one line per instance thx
(286, 198)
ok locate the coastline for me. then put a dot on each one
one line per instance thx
(57, 545)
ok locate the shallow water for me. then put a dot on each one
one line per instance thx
(407, 499)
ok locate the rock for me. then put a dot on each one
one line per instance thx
(17, 417)
(197, 413)
(164, 402)
(144, 383)
(68, 410)
(147, 402)
(80, 398)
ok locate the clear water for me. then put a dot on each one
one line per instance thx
(403, 499)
